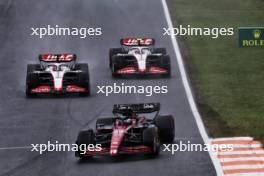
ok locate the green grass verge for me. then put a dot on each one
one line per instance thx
(228, 80)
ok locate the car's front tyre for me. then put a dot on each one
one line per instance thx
(84, 138)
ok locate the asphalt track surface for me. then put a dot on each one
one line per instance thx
(29, 121)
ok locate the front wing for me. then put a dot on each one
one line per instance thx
(122, 150)
(127, 70)
(64, 89)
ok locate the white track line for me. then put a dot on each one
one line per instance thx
(15, 148)
(234, 138)
(188, 91)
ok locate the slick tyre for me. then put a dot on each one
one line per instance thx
(151, 139)
(166, 128)
(84, 138)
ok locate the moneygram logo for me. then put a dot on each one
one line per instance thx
(251, 36)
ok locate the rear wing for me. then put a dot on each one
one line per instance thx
(136, 108)
(57, 57)
(137, 41)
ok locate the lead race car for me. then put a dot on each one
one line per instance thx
(57, 73)
(138, 56)
(135, 128)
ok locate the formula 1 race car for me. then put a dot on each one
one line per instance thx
(57, 73)
(138, 56)
(135, 128)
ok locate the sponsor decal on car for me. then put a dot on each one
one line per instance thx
(41, 89)
(57, 57)
(137, 41)
(73, 88)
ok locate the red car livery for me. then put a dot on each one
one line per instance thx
(135, 128)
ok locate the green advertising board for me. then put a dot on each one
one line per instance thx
(251, 36)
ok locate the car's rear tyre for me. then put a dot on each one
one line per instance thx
(166, 64)
(31, 79)
(166, 128)
(162, 51)
(114, 70)
(29, 94)
(87, 86)
(84, 138)
(151, 139)
(84, 78)
(112, 52)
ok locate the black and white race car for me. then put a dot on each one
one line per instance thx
(138, 56)
(134, 128)
(57, 73)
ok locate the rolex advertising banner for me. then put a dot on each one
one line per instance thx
(251, 36)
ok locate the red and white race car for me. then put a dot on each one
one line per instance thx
(134, 128)
(138, 56)
(57, 73)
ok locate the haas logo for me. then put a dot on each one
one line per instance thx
(137, 41)
(60, 57)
